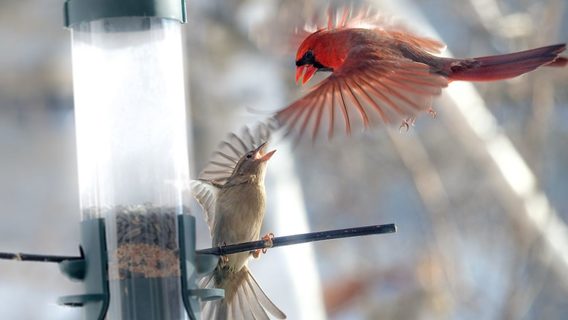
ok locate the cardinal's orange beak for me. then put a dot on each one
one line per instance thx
(306, 71)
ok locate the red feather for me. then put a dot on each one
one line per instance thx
(383, 73)
(505, 66)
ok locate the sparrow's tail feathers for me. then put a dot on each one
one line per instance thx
(506, 65)
(244, 299)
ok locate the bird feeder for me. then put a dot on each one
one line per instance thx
(137, 255)
(132, 150)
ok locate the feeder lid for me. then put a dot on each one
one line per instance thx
(76, 11)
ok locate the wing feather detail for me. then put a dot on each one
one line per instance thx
(284, 32)
(206, 195)
(226, 157)
(362, 95)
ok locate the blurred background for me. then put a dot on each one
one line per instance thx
(479, 194)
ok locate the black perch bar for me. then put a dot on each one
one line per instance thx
(300, 238)
(239, 247)
(37, 257)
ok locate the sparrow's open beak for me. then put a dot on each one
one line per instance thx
(306, 71)
(267, 156)
(259, 153)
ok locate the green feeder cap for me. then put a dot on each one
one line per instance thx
(76, 11)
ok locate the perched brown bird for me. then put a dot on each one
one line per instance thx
(231, 191)
(382, 72)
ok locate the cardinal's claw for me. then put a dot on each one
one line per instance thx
(406, 124)
(432, 113)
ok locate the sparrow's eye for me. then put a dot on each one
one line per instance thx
(249, 155)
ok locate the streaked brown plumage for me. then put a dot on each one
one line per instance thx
(231, 191)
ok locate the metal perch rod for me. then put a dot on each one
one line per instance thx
(37, 257)
(239, 247)
(300, 238)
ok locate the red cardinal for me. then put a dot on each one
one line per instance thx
(381, 72)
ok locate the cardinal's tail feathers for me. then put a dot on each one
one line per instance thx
(244, 299)
(506, 65)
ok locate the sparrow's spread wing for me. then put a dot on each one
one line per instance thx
(225, 158)
(206, 194)
(205, 188)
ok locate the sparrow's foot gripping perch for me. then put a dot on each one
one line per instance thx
(267, 244)
(224, 258)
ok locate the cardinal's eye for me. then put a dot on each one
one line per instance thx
(307, 58)
(309, 55)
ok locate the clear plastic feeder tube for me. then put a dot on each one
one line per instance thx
(133, 155)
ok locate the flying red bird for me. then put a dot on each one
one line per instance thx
(381, 72)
